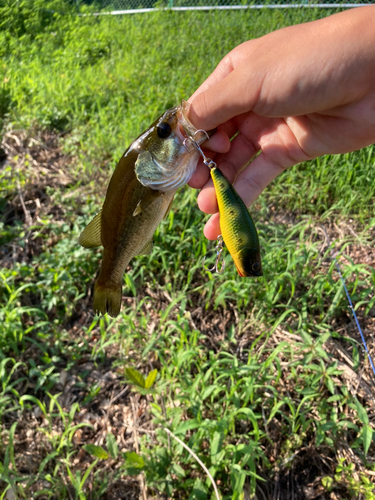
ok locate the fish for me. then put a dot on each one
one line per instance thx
(139, 196)
(237, 227)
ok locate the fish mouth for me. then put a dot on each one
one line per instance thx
(187, 129)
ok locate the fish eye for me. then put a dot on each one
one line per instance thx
(256, 266)
(164, 130)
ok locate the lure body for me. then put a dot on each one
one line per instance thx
(237, 227)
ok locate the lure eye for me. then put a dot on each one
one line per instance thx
(256, 267)
(164, 130)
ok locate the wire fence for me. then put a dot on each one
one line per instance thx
(115, 7)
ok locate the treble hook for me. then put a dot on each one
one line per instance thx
(189, 140)
(204, 132)
(207, 161)
(219, 249)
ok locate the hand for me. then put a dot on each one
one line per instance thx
(293, 95)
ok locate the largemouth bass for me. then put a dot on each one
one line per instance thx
(139, 196)
(237, 227)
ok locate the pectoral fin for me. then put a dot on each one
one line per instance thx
(146, 201)
(91, 236)
(138, 209)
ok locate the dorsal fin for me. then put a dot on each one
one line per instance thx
(91, 236)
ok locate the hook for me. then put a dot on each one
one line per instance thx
(207, 161)
(219, 249)
(201, 130)
(191, 141)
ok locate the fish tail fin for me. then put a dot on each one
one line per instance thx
(107, 299)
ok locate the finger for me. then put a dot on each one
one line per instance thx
(219, 142)
(207, 201)
(212, 228)
(264, 169)
(201, 175)
(241, 152)
(243, 148)
(230, 128)
(219, 103)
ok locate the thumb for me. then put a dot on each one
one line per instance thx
(224, 99)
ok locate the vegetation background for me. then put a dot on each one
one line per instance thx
(265, 379)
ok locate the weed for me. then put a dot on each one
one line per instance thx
(264, 380)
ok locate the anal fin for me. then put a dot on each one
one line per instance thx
(91, 236)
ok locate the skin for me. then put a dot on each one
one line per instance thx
(292, 95)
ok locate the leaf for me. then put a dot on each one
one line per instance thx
(45, 461)
(367, 437)
(186, 426)
(11, 440)
(323, 338)
(330, 385)
(336, 397)
(322, 353)
(151, 377)
(135, 377)
(112, 446)
(87, 473)
(129, 282)
(96, 451)
(199, 491)
(41, 405)
(208, 391)
(356, 358)
(216, 444)
(319, 436)
(133, 464)
(237, 477)
(178, 470)
(362, 414)
(133, 460)
(306, 338)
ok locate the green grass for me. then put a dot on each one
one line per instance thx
(264, 379)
